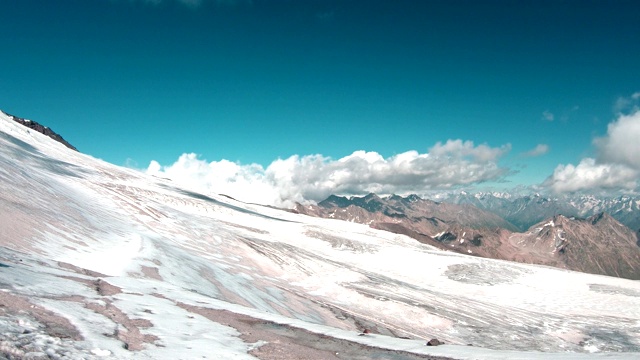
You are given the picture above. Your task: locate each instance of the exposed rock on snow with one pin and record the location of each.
(42, 129)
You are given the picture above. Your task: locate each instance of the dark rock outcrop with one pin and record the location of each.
(42, 129)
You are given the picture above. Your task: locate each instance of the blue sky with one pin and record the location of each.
(250, 82)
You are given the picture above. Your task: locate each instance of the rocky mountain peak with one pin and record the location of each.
(598, 244)
(371, 196)
(413, 198)
(335, 201)
(41, 129)
(395, 197)
(602, 217)
(371, 202)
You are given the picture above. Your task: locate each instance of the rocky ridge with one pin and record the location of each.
(599, 244)
(526, 210)
(41, 129)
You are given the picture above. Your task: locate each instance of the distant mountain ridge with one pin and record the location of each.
(395, 208)
(524, 211)
(598, 244)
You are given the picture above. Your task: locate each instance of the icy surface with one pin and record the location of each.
(123, 257)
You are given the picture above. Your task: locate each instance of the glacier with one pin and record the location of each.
(100, 261)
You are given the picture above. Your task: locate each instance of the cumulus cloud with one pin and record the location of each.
(590, 175)
(314, 177)
(548, 115)
(540, 149)
(616, 166)
(621, 145)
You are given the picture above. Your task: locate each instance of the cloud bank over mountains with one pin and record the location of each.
(314, 177)
(616, 165)
(446, 166)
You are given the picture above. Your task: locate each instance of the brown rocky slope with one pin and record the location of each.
(599, 244)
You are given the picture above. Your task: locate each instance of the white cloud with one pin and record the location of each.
(589, 175)
(540, 149)
(621, 145)
(131, 163)
(564, 115)
(626, 105)
(314, 177)
(459, 149)
(616, 167)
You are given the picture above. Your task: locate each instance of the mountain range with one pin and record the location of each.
(598, 244)
(99, 261)
(524, 211)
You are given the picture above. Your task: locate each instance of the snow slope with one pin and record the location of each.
(99, 261)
